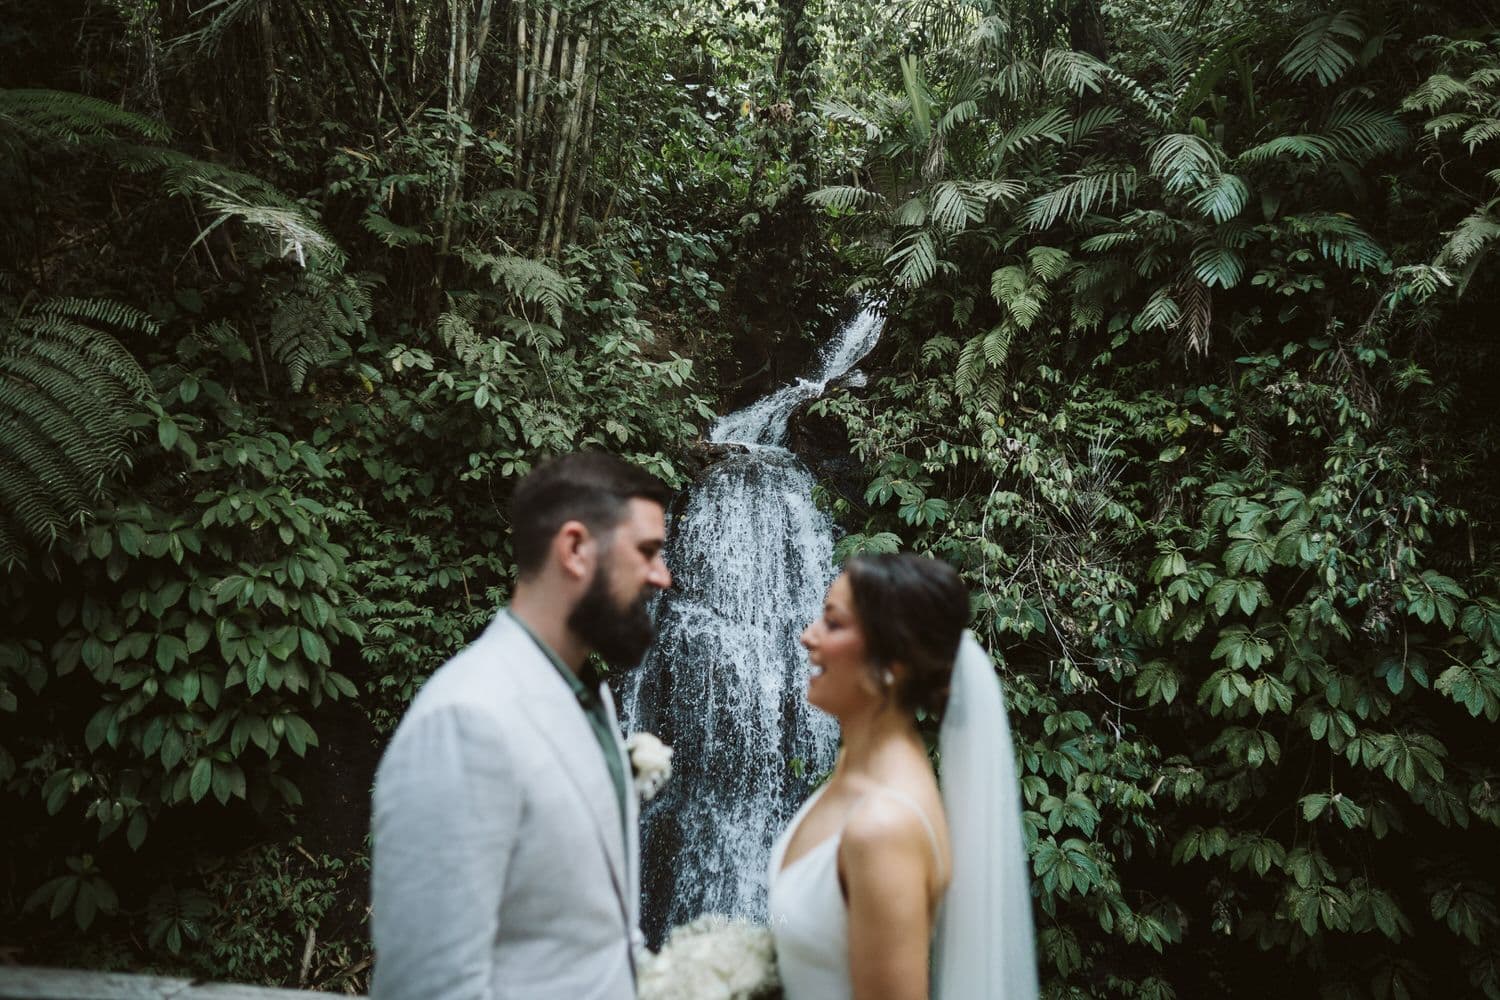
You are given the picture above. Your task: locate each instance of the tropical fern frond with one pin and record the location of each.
(312, 324)
(954, 207)
(55, 116)
(1320, 47)
(529, 282)
(1080, 196)
(1075, 72)
(1314, 148)
(1216, 264)
(1094, 120)
(539, 337)
(1360, 133)
(1197, 312)
(1469, 239)
(843, 197)
(297, 233)
(914, 259)
(391, 233)
(970, 367)
(1048, 263)
(1160, 312)
(1053, 126)
(936, 348)
(845, 113)
(1481, 132)
(1223, 199)
(955, 116)
(1435, 92)
(1105, 242)
(996, 345)
(68, 393)
(1184, 162)
(1022, 297)
(1340, 239)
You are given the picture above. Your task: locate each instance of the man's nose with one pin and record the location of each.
(661, 577)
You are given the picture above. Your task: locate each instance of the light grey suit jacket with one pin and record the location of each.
(499, 869)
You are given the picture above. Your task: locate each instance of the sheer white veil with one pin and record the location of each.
(984, 946)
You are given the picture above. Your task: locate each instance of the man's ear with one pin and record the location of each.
(575, 549)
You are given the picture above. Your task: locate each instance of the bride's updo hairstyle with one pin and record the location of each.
(913, 610)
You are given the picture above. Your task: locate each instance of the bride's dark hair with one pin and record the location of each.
(913, 610)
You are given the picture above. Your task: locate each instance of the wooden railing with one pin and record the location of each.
(20, 982)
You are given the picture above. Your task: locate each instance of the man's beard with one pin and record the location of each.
(621, 635)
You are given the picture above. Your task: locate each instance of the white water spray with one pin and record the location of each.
(726, 680)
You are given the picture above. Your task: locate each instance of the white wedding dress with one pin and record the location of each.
(983, 942)
(809, 919)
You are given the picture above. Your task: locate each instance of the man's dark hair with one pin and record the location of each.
(593, 487)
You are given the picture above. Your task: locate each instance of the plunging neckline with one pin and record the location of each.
(782, 864)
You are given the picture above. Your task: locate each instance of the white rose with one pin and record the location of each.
(651, 761)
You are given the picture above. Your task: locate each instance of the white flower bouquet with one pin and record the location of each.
(712, 958)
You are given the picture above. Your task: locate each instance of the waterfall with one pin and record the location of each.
(725, 682)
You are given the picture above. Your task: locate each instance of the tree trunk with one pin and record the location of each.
(268, 58)
(520, 129)
(588, 142)
(570, 133)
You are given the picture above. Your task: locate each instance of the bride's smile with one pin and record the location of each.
(840, 680)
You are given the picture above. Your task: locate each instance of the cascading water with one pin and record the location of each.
(725, 681)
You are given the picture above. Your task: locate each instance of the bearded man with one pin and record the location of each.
(505, 861)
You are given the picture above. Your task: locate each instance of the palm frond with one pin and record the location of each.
(1362, 132)
(1339, 238)
(1320, 47)
(1184, 162)
(914, 259)
(954, 206)
(1080, 196)
(1223, 199)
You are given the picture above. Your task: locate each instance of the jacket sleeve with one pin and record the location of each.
(446, 815)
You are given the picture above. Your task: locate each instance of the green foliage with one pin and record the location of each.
(1179, 417)
(70, 394)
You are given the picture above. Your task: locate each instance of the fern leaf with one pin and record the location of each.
(1314, 148)
(1340, 239)
(958, 114)
(391, 233)
(847, 114)
(1080, 196)
(1184, 162)
(953, 207)
(1223, 199)
(55, 116)
(1053, 126)
(1048, 263)
(1023, 298)
(914, 259)
(842, 197)
(1160, 311)
(1360, 133)
(1435, 92)
(1319, 49)
(1215, 264)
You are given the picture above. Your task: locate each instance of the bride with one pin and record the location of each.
(883, 886)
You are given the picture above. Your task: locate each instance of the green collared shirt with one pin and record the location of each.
(593, 710)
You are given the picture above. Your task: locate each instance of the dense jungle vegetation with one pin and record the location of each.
(1187, 367)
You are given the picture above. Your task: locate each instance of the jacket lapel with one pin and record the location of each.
(557, 717)
(632, 813)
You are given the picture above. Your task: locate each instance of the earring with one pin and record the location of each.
(887, 677)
